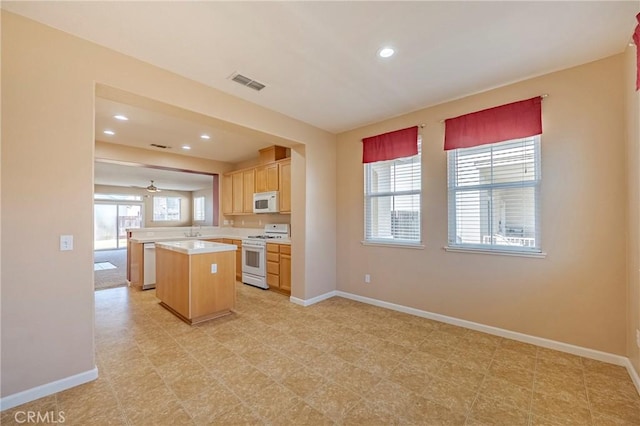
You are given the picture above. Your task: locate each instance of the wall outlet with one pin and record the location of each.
(367, 278)
(66, 242)
(226, 222)
(638, 338)
(214, 268)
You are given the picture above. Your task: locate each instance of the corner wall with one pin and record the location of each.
(632, 98)
(576, 294)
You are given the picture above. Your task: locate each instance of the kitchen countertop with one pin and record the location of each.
(159, 239)
(196, 246)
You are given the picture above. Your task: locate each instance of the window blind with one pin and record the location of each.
(393, 200)
(493, 196)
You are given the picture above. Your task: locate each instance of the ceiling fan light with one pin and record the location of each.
(152, 188)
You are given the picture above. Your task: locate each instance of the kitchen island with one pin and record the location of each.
(195, 280)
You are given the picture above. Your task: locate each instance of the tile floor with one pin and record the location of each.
(337, 362)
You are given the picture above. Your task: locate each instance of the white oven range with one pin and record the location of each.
(254, 270)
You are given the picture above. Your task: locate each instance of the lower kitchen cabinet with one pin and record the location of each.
(285, 268)
(238, 243)
(279, 267)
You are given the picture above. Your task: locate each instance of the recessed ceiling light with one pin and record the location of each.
(109, 132)
(121, 117)
(386, 52)
(186, 147)
(205, 136)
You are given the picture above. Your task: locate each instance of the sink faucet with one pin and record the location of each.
(192, 234)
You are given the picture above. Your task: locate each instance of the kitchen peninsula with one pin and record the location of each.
(195, 280)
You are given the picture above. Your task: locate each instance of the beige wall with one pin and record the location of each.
(577, 293)
(48, 86)
(632, 98)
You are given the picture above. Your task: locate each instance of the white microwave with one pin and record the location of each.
(266, 202)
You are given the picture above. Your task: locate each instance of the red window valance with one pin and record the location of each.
(511, 121)
(636, 39)
(388, 146)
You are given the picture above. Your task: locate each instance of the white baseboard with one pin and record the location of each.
(634, 374)
(308, 302)
(538, 341)
(47, 389)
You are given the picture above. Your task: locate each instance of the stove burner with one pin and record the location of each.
(262, 237)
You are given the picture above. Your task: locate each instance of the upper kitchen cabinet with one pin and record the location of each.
(237, 191)
(248, 179)
(273, 174)
(227, 194)
(284, 175)
(267, 178)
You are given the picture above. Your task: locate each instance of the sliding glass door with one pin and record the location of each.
(111, 221)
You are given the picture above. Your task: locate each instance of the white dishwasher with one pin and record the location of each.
(149, 266)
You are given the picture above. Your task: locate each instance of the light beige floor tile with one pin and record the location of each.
(237, 415)
(487, 411)
(333, 400)
(455, 396)
(512, 373)
(349, 352)
(356, 379)
(520, 347)
(415, 380)
(210, 403)
(337, 362)
(366, 414)
(476, 360)
(247, 381)
(303, 382)
(462, 375)
(272, 402)
(507, 392)
(573, 391)
(302, 414)
(170, 413)
(548, 406)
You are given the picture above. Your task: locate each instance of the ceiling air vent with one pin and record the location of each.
(246, 81)
(155, 145)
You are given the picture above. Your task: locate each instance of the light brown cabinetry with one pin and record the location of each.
(227, 194)
(135, 263)
(248, 180)
(186, 286)
(239, 186)
(237, 243)
(237, 192)
(284, 177)
(267, 178)
(285, 268)
(279, 267)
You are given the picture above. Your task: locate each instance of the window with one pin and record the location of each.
(494, 196)
(117, 197)
(198, 208)
(166, 208)
(392, 200)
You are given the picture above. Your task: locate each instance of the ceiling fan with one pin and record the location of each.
(153, 188)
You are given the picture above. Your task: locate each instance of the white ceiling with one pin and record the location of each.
(319, 63)
(175, 128)
(318, 59)
(140, 177)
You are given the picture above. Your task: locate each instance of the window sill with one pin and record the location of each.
(393, 245)
(541, 255)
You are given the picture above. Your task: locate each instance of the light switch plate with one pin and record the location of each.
(66, 242)
(214, 268)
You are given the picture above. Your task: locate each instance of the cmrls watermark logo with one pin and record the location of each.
(49, 417)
